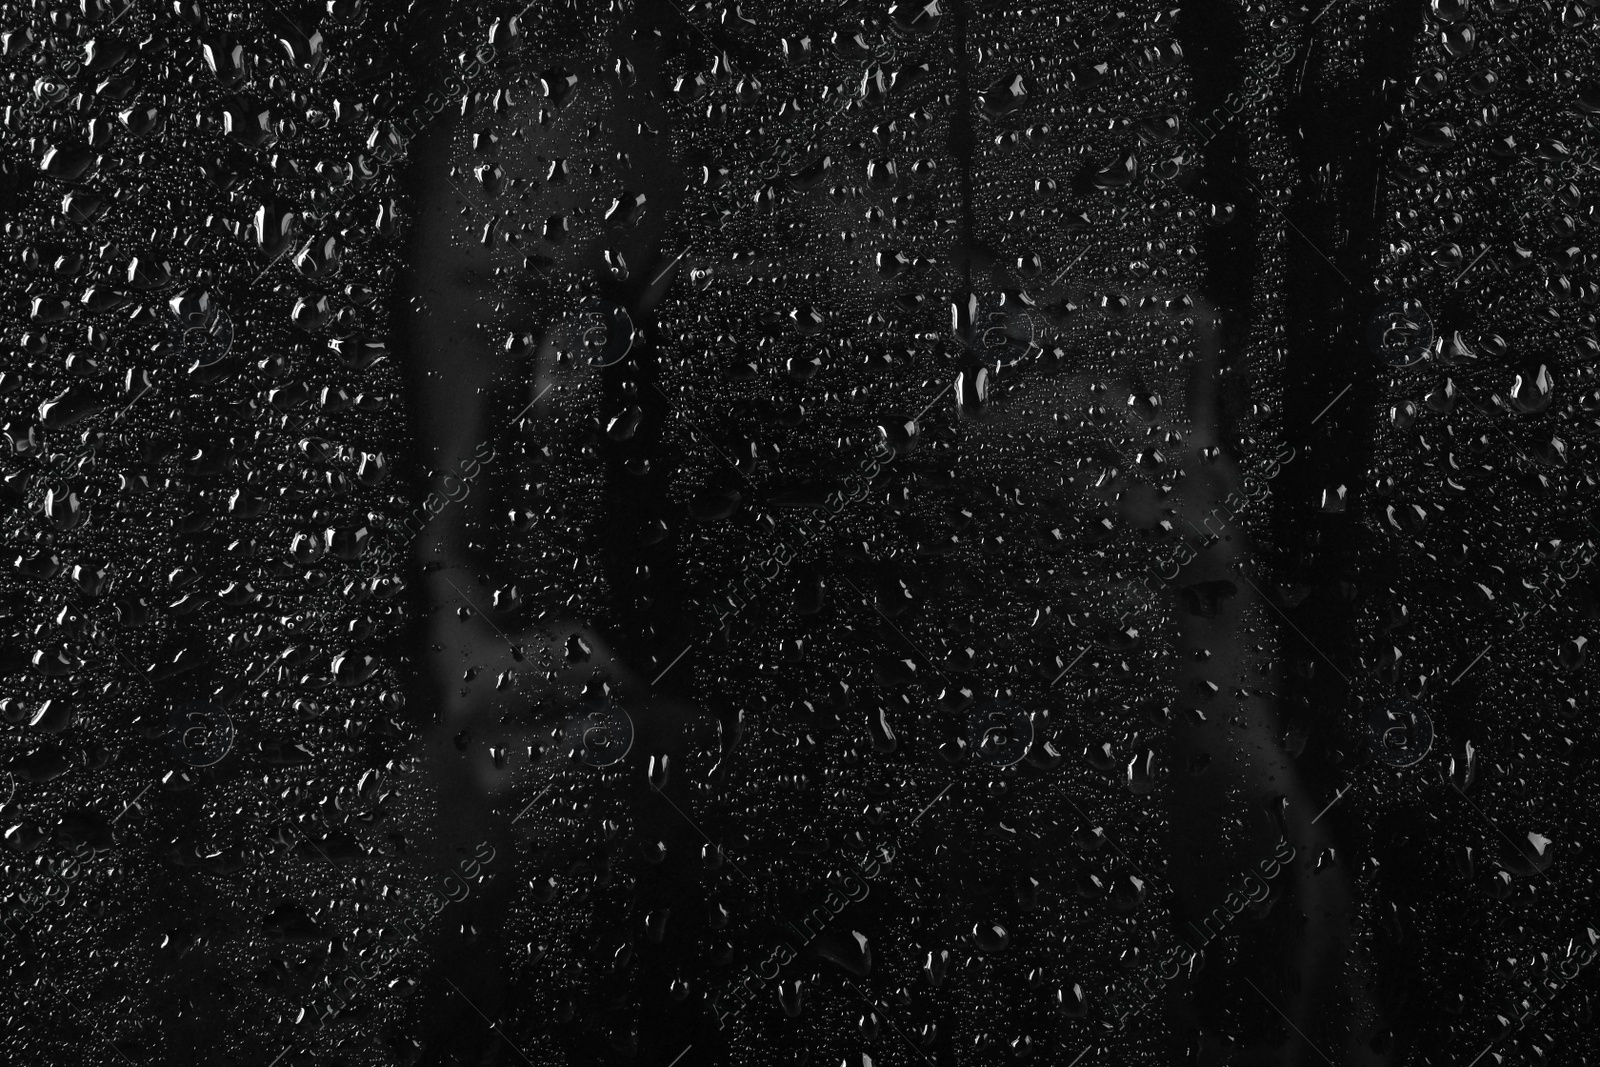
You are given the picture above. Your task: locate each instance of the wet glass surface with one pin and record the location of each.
(825, 534)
